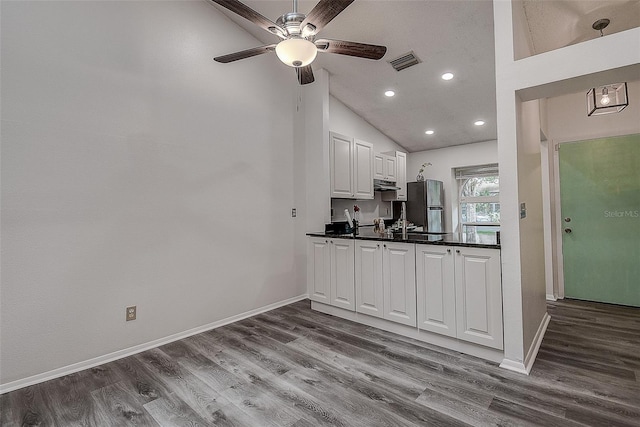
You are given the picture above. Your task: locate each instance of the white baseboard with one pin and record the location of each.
(455, 344)
(551, 297)
(69, 369)
(514, 365)
(525, 367)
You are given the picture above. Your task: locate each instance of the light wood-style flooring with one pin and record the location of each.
(295, 367)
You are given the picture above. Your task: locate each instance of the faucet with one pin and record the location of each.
(403, 219)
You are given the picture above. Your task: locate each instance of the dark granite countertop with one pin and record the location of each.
(450, 239)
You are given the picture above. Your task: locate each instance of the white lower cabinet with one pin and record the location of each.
(479, 296)
(369, 288)
(385, 280)
(460, 293)
(436, 290)
(330, 271)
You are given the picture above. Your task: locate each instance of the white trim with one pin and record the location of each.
(515, 366)
(90, 363)
(413, 332)
(525, 368)
(551, 297)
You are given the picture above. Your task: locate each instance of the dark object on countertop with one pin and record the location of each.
(339, 227)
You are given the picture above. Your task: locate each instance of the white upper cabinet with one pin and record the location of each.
(351, 167)
(385, 167)
(362, 170)
(341, 165)
(400, 177)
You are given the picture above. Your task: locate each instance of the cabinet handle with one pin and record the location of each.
(457, 251)
(385, 246)
(448, 251)
(378, 244)
(326, 241)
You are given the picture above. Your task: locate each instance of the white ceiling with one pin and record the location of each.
(448, 36)
(555, 24)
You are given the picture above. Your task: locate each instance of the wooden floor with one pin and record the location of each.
(295, 367)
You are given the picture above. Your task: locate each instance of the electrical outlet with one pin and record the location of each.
(294, 213)
(131, 313)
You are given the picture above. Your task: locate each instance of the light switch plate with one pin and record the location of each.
(131, 313)
(523, 210)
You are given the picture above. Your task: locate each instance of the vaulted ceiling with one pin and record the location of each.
(447, 36)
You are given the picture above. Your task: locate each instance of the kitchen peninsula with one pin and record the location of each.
(437, 288)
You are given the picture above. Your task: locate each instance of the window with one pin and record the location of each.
(479, 200)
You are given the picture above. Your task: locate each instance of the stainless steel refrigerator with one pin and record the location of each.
(425, 205)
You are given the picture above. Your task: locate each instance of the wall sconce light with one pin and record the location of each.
(607, 99)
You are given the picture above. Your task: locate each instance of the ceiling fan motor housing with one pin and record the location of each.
(291, 22)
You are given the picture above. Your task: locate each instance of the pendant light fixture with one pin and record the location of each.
(607, 99)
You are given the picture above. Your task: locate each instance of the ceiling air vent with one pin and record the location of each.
(405, 61)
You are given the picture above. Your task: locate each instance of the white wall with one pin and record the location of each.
(344, 121)
(443, 162)
(135, 170)
(557, 72)
(532, 260)
(568, 120)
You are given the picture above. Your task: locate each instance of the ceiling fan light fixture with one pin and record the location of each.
(296, 52)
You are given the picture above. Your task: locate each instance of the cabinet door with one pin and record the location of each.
(369, 287)
(342, 274)
(378, 166)
(362, 170)
(390, 168)
(341, 164)
(401, 179)
(436, 289)
(318, 269)
(479, 296)
(399, 272)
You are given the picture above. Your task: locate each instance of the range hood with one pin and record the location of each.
(380, 185)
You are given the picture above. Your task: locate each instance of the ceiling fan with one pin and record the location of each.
(299, 46)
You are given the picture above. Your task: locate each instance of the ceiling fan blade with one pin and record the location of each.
(247, 13)
(341, 47)
(245, 54)
(324, 12)
(305, 75)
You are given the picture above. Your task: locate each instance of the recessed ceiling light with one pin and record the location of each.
(389, 93)
(429, 132)
(479, 123)
(447, 76)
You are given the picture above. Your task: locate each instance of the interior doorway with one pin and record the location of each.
(600, 206)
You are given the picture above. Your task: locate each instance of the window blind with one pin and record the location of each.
(477, 171)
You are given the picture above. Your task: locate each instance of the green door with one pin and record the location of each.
(600, 198)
